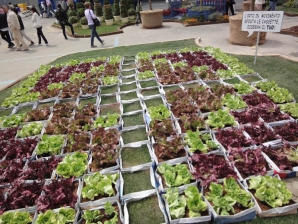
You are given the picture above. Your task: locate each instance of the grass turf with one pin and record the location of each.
(135, 156)
(137, 181)
(145, 211)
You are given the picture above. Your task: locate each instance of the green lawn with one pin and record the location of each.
(102, 29)
(282, 71)
(289, 10)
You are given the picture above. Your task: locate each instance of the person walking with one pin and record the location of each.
(138, 11)
(229, 5)
(23, 34)
(14, 26)
(44, 8)
(4, 30)
(63, 20)
(37, 24)
(259, 5)
(63, 5)
(90, 16)
(272, 5)
(49, 8)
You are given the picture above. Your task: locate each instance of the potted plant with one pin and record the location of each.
(131, 13)
(98, 10)
(108, 14)
(116, 11)
(123, 12)
(84, 23)
(151, 18)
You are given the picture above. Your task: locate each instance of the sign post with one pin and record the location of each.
(261, 21)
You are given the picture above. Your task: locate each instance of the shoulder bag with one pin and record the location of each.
(95, 21)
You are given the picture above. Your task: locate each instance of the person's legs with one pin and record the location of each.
(231, 8)
(48, 12)
(51, 10)
(92, 27)
(96, 35)
(43, 37)
(38, 34)
(71, 27)
(23, 34)
(5, 36)
(227, 8)
(138, 20)
(18, 37)
(63, 29)
(17, 41)
(273, 5)
(270, 6)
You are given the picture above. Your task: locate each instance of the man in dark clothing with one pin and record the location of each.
(229, 4)
(63, 20)
(4, 30)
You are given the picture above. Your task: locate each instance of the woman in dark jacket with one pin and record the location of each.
(63, 20)
(4, 29)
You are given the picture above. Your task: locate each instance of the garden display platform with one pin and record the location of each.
(84, 133)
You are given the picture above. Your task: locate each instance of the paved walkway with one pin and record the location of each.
(16, 65)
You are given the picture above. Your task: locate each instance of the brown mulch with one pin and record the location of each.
(293, 31)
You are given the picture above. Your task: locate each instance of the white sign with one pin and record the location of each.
(262, 21)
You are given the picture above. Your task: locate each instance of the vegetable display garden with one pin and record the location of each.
(208, 137)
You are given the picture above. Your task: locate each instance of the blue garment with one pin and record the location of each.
(94, 34)
(272, 5)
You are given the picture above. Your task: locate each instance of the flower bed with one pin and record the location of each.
(176, 103)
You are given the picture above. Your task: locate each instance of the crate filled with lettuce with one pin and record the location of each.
(22, 196)
(60, 215)
(108, 121)
(110, 212)
(162, 129)
(186, 205)
(96, 189)
(73, 165)
(30, 129)
(283, 158)
(174, 174)
(169, 150)
(59, 193)
(20, 217)
(200, 142)
(105, 150)
(272, 197)
(229, 201)
(50, 145)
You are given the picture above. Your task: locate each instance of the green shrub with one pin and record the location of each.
(72, 13)
(84, 21)
(81, 12)
(98, 9)
(123, 9)
(73, 19)
(80, 5)
(108, 14)
(131, 12)
(116, 8)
